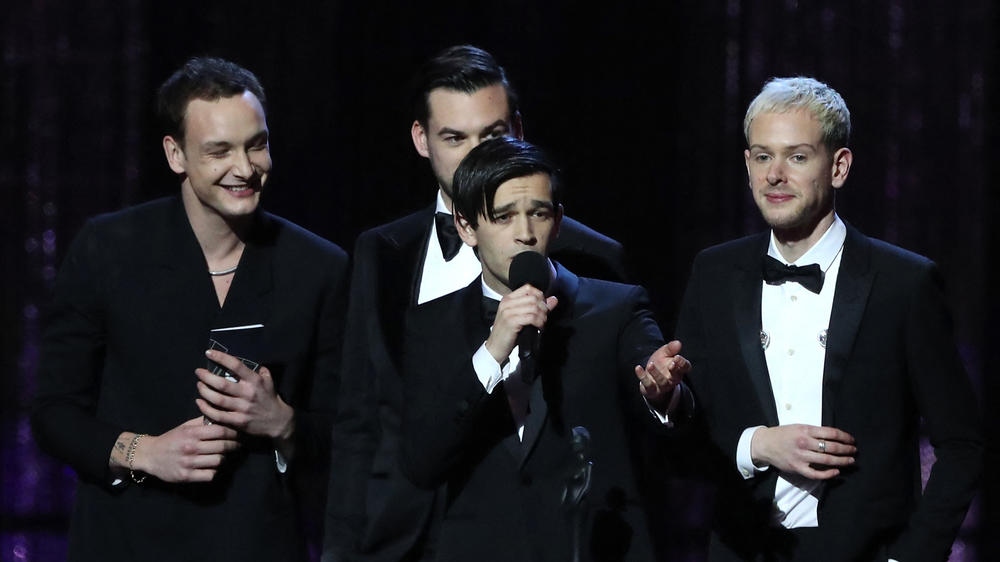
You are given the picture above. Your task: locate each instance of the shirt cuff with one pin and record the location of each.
(743, 460)
(489, 372)
(675, 399)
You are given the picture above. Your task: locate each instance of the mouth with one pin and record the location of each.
(240, 190)
(777, 197)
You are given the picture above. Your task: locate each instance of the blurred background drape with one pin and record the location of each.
(642, 106)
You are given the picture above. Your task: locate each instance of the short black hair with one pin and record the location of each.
(462, 68)
(204, 78)
(489, 165)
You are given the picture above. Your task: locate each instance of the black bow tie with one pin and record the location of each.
(490, 307)
(809, 276)
(447, 235)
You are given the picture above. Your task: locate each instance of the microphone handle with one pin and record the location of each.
(527, 351)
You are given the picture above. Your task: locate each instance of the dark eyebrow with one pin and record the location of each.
(494, 125)
(260, 137)
(449, 131)
(536, 203)
(505, 209)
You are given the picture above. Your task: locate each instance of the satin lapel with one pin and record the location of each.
(746, 290)
(409, 243)
(546, 394)
(854, 283)
(399, 254)
(474, 327)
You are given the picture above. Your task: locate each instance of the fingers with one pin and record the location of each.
(232, 364)
(200, 475)
(818, 474)
(661, 377)
(191, 452)
(649, 387)
(812, 451)
(672, 348)
(832, 434)
(646, 382)
(217, 390)
(834, 448)
(196, 428)
(231, 396)
(223, 417)
(667, 367)
(525, 306)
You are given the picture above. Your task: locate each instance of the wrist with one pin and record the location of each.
(136, 467)
(758, 454)
(496, 352)
(286, 429)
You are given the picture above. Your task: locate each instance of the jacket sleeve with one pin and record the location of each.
(63, 415)
(947, 404)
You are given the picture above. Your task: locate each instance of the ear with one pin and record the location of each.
(557, 221)
(517, 126)
(746, 160)
(175, 154)
(419, 136)
(842, 160)
(465, 231)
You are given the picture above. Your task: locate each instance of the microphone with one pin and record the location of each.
(528, 268)
(578, 482)
(580, 443)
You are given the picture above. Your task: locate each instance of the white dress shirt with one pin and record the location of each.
(440, 277)
(794, 321)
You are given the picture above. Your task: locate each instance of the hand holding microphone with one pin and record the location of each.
(524, 311)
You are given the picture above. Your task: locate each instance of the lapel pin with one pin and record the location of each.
(765, 339)
(822, 338)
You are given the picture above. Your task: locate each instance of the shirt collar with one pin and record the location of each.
(490, 293)
(440, 207)
(823, 252)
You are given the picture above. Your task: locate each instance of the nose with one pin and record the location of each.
(242, 166)
(524, 231)
(776, 172)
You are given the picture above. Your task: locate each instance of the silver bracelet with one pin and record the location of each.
(131, 458)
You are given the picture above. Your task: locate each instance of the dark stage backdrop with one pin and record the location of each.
(642, 107)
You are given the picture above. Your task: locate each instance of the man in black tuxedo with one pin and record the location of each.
(498, 433)
(174, 462)
(817, 353)
(461, 98)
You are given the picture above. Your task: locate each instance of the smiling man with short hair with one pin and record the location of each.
(175, 462)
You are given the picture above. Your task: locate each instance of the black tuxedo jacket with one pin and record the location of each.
(373, 512)
(890, 361)
(504, 495)
(129, 324)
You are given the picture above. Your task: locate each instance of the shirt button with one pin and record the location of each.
(788, 406)
(791, 352)
(794, 298)
(746, 473)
